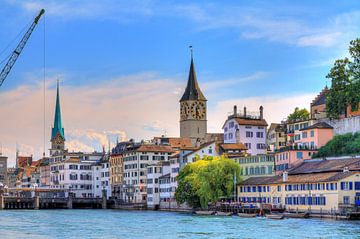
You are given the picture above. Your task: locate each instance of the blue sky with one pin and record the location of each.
(246, 52)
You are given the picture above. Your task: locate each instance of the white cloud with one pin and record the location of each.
(138, 106)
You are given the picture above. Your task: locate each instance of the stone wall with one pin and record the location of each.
(343, 126)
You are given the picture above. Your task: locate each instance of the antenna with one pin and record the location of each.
(191, 51)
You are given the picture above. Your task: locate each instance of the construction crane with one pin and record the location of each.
(10, 63)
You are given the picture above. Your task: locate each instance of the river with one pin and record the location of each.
(149, 224)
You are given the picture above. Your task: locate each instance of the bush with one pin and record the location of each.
(340, 145)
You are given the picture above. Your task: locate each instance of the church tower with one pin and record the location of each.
(57, 132)
(193, 123)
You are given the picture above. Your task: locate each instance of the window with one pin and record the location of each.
(260, 146)
(346, 185)
(346, 200)
(312, 133)
(304, 134)
(248, 145)
(231, 125)
(299, 155)
(357, 185)
(249, 134)
(260, 134)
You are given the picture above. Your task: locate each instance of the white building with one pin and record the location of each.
(101, 178)
(73, 176)
(207, 149)
(155, 171)
(246, 128)
(135, 162)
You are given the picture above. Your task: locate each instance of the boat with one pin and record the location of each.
(223, 213)
(247, 215)
(204, 213)
(297, 215)
(275, 216)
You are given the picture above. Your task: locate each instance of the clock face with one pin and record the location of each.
(198, 110)
(184, 111)
(58, 139)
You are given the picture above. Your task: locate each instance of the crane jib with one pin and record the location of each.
(10, 63)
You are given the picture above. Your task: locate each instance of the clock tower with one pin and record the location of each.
(193, 123)
(57, 132)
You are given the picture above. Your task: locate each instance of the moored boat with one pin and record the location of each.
(247, 215)
(204, 213)
(297, 215)
(275, 216)
(223, 213)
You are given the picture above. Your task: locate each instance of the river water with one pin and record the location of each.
(149, 224)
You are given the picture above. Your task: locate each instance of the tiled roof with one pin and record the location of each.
(334, 165)
(308, 178)
(254, 122)
(176, 142)
(155, 148)
(73, 160)
(237, 146)
(320, 125)
(23, 161)
(175, 155)
(321, 98)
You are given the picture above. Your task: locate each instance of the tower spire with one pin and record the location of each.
(192, 91)
(57, 129)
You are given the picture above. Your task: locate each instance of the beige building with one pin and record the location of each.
(276, 137)
(326, 186)
(116, 174)
(256, 166)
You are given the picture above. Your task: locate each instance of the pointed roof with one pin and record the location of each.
(192, 91)
(57, 120)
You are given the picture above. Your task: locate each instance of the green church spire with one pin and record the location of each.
(57, 129)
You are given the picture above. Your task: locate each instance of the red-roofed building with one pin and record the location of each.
(247, 128)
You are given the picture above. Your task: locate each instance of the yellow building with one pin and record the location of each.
(116, 174)
(256, 165)
(317, 186)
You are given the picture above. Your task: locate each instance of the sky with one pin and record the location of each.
(123, 65)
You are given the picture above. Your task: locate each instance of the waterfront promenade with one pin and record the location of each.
(150, 224)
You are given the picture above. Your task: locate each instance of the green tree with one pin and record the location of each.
(299, 114)
(345, 83)
(345, 144)
(206, 181)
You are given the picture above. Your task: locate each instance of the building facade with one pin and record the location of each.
(256, 166)
(316, 135)
(246, 128)
(3, 170)
(135, 162)
(276, 137)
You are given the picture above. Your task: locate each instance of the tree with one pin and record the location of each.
(345, 83)
(206, 181)
(345, 144)
(299, 114)
(337, 99)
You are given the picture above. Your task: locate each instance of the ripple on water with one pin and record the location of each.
(148, 224)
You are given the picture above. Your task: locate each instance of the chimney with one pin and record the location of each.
(346, 170)
(235, 110)
(197, 143)
(244, 111)
(285, 176)
(237, 136)
(261, 112)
